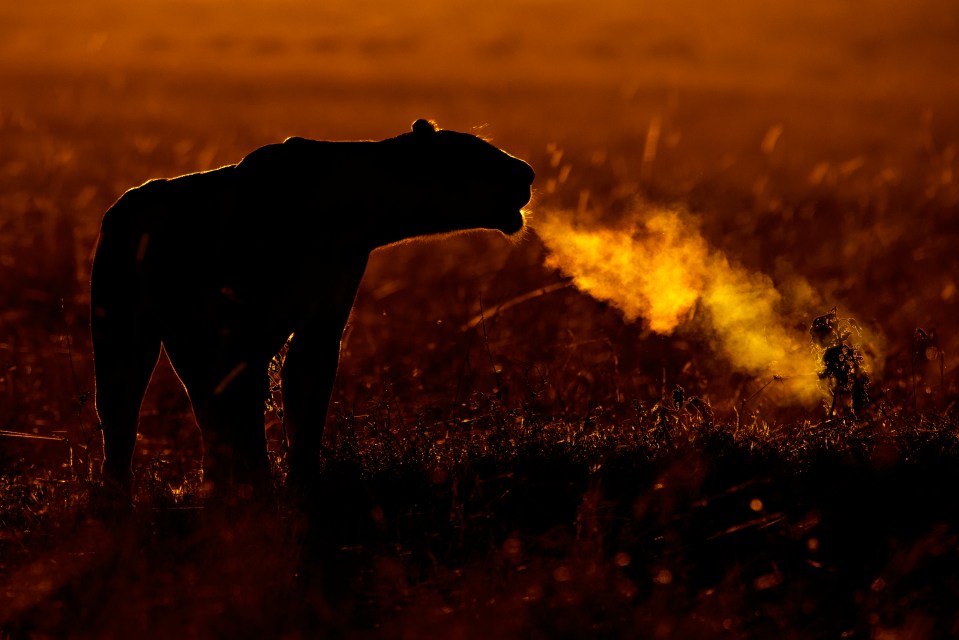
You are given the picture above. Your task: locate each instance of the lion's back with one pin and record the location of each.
(168, 220)
(130, 208)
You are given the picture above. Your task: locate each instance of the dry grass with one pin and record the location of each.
(527, 475)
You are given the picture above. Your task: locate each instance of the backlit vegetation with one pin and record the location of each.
(641, 421)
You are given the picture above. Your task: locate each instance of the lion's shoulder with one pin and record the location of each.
(291, 150)
(288, 162)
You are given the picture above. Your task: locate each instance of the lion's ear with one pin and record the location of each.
(422, 126)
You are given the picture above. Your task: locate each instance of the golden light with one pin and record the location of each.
(652, 269)
(659, 268)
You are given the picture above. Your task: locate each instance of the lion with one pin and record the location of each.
(224, 267)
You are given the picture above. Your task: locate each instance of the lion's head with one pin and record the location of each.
(463, 181)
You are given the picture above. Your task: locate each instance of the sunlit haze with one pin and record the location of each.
(710, 391)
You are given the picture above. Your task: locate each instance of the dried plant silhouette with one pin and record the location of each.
(620, 427)
(222, 268)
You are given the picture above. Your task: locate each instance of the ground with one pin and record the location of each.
(506, 451)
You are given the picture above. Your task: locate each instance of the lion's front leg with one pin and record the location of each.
(307, 378)
(309, 369)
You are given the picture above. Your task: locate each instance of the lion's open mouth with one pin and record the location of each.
(513, 223)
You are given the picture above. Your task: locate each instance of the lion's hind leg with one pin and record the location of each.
(235, 455)
(126, 347)
(226, 379)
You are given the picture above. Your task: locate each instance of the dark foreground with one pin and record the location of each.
(666, 527)
(814, 143)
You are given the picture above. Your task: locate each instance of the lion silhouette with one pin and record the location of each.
(223, 267)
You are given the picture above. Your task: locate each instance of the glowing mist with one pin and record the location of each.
(643, 270)
(658, 267)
